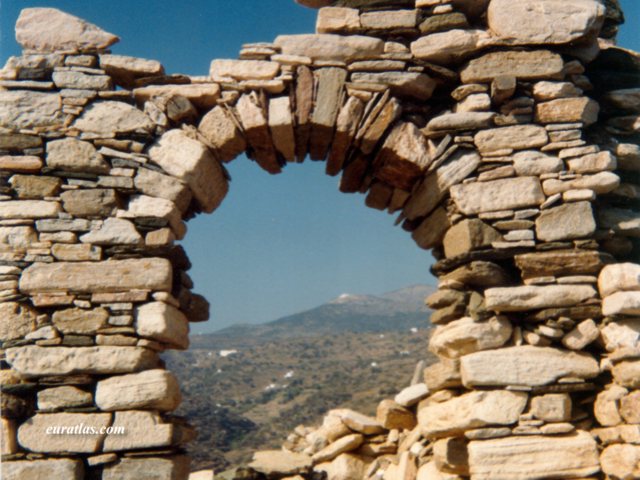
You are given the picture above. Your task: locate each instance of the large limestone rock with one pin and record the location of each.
(627, 373)
(464, 336)
(525, 366)
(619, 277)
(66, 468)
(621, 461)
(163, 322)
(503, 194)
(467, 235)
(526, 457)
(66, 396)
(155, 184)
(114, 231)
(229, 70)
(450, 46)
(91, 277)
(50, 30)
(63, 432)
(516, 137)
(545, 21)
(277, 462)
(529, 297)
(73, 155)
(33, 361)
(222, 133)
(152, 389)
(109, 117)
(188, 159)
(148, 468)
(568, 221)
(524, 65)
(141, 429)
(331, 47)
(80, 321)
(471, 410)
(622, 303)
(24, 109)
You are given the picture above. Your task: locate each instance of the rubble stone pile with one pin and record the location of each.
(503, 133)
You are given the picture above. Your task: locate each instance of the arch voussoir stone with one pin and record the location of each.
(504, 137)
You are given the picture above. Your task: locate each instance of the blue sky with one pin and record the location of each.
(278, 244)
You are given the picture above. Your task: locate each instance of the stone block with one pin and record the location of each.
(164, 323)
(151, 389)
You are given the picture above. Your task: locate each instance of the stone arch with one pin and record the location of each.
(479, 134)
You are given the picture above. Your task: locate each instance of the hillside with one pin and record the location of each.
(247, 387)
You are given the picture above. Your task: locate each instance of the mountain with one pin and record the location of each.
(399, 310)
(247, 387)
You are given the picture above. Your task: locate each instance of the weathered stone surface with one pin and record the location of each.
(568, 221)
(593, 163)
(80, 321)
(524, 65)
(281, 126)
(606, 408)
(523, 457)
(16, 209)
(158, 185)
(548, 22)
(8, 442)
(337, 20)
(436, 185)
(255, 124)
(619, 277)
(151, 468)
(627, 373)
(623, 333)
(403, 156)
(516, 137)
(72, 155)
(412, 394)
(471, 410)
(464, 336)
(17, 238)
(525, 365)
(621, 461)
(81, 80)
(43, 469)
(404, 84)
(191, 161)
(329, 87)
(89, 277)
(31, 186)
(461, 121)
(109, 117)
(553, 407)
(467, 235)
(345, 444)
(358, 422)
(151, 389)
(544, 90)
(225, 70)
(331, 47)
(51, 30)
(146, 207)
(164, 323)
(450, 46)
(347, 466)
(600, 183)
(32, 361)
(277, 462)
(63, 397)
(443, 374)
(36, 434)
(95, 202)
(531, 163)
(430, 471)
(219, 129)
(560, 263)
(450, 455)
(201, 95)
(389, 20)
(16, 320)
(124, 69)
(142, 429)
(24, 109)
(529, 297)
(393, 415)
(432, 230)
(630, 407)
(582, 335)
(568, 110)
(114, 231)
(496, 195)
(622, 221)
(622, 303)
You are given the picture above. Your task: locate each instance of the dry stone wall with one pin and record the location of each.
(503, 134)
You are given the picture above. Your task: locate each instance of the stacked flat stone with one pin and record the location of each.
(505, 137)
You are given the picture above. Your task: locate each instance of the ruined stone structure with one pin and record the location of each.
(505, 135)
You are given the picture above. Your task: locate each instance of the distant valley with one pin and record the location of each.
(247, 386)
